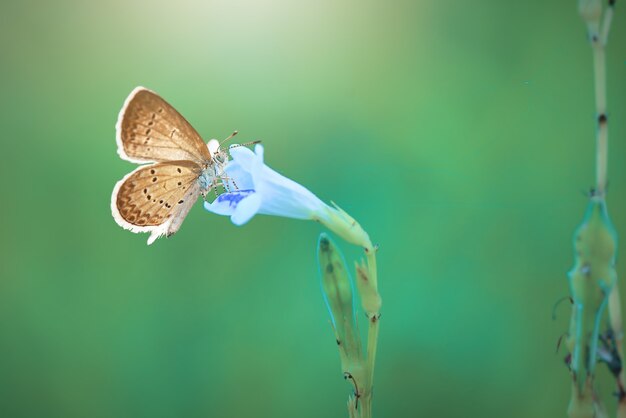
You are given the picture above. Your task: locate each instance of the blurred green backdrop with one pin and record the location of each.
(460, 135)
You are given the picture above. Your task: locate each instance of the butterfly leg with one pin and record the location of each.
(227, 179)
(215, 188)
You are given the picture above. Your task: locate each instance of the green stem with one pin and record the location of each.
(374, 320)
(599, 41)
(338, 221)
(366, 406)
(615, 317)
(372, 343)
(602, 136)
(585, 402)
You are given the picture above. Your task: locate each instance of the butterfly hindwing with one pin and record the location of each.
(149, 129)
(156, 198)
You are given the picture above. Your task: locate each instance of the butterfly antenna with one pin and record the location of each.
(228, 139)
(245, 144)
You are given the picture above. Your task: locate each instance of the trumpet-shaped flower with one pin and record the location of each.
(252, 187)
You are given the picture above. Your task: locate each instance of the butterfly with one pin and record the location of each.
(156, 197)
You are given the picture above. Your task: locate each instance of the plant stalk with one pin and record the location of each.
(599, 39)
(585, 403)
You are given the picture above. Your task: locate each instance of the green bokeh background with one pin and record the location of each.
(460, 135)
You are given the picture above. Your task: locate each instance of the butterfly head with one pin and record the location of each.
(219, 156)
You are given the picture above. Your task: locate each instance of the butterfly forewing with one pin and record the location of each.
(157, 197)
(149, 129)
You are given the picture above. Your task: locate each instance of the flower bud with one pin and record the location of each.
(337, 290)
(342, 224)
(591, 282)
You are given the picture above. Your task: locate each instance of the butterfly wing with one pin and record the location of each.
(156, 198)
(149, 129)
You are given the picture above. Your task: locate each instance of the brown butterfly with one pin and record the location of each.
(156, 197)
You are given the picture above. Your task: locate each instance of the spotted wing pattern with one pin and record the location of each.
(156, 198)
(149, 129)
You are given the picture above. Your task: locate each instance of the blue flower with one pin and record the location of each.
(252, 187)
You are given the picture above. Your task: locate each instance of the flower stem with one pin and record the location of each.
(602, 135)
(595, 244)
(372, 333)
(338, 221)
(372, 344)
(615, 318)
(599, 38)
(598, 32)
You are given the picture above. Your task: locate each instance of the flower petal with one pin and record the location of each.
(243, 156)
(227, 203)
(284, 197)
(237, 178)
(246, 209)
(262, 190)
